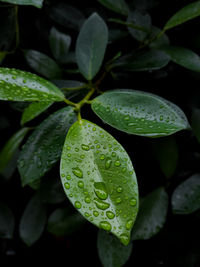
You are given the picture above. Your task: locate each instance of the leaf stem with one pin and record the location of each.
(129, 24)
(70, 103)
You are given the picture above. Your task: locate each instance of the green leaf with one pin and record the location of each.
(36, 3)
(17, 85)
(152, 215)
(139, 113)
(43, 148)
(188, 12)
(118, 6)
(62, 222)
(185, 198)
(111, 252)
(144, 4)
(33, 221)
(33, 110)
(91, 45)
(11, 147)
(99, 179)
(195, 123)
(163, 39)
(7, 222)
(141, 20)
(166, 153)
(42, 64)
(146, 61)
(183, 57)
(59, 44)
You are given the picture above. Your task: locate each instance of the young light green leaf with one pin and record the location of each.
(43, 148)
(43, 64)
(11, 147)
(99, 179)
(59, 44)
(7, 222)
(36, 3)
(17, 85)
(195, 123)
(63, 222)
(33, 221)
(118, 6)
(111, 252)
(150, 60)
(152, 215)
(166, 153)
(188, 12)
(91, 45)
(141, 20)
(33, 110)
(183, 57)
(139, 113)
(185, 198)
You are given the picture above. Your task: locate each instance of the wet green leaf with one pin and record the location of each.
(99, 179)
(111, 252)
(91, 45)
(7, 222)
(17, 85)
(188, 12)
(33, 110)
(11, 147)
(43, 64)
(183, 57)
(118, 6)
(33, 221)
(59, 44)
(36, 3)
(185, 198)
(152, 215)
(63, 222)
(43, 148)
(139, 113)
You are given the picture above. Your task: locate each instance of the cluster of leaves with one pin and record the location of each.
(96, 172)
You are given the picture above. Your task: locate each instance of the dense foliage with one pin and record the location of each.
(100, 114)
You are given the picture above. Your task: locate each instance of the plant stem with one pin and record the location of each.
(70, 103)
(129, 24)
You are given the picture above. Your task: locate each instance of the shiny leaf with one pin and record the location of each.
(99, 179)
(36, 3)
(118, 6)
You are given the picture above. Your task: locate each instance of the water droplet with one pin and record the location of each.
(125, 239)
(87, 200)
(127, 118)
(94, 129)
(117, 163)
(131, 124)
(63, 175)
(105, 225)
(76, 149)
(96, 214)
(108, 163)
(133, 202)
(129, 225)
(85, 147)
(119, 189)
(80, 184)
(67, 185)
(68, 177)
(100, 190)
(118, 200)
(102, 157)
(86, 214)
(77, 205)
(77, 172)
(69, 155)
(101, 204)
(110, 214)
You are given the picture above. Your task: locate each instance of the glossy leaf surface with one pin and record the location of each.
(99, 179)
(152, 215)
(36, 3)
(111, 252)
(118, 6)
(7, 222)
(17, 85)
(43, 148)
(91, 45)
(139, 113)
(185, 198)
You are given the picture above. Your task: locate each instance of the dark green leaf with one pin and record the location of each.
(33, 221)
(36, 3)
(42, 64)
(163, 40)
(116, 34)
(188, 12)
(152, 215)
(144, 4)
(185, 198)
(33, 110)
(141, 20)
(91, 45)
(66, 85)
(150, 60)
(17, 85)
(59, 44)
(62, 222)
(43, 148)
(111, 252)
(7, 222)
(195, 123)
(99, 179)
(10, 148)
(184, 57)
(139, 113)
(166, 153)
(118, 6)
